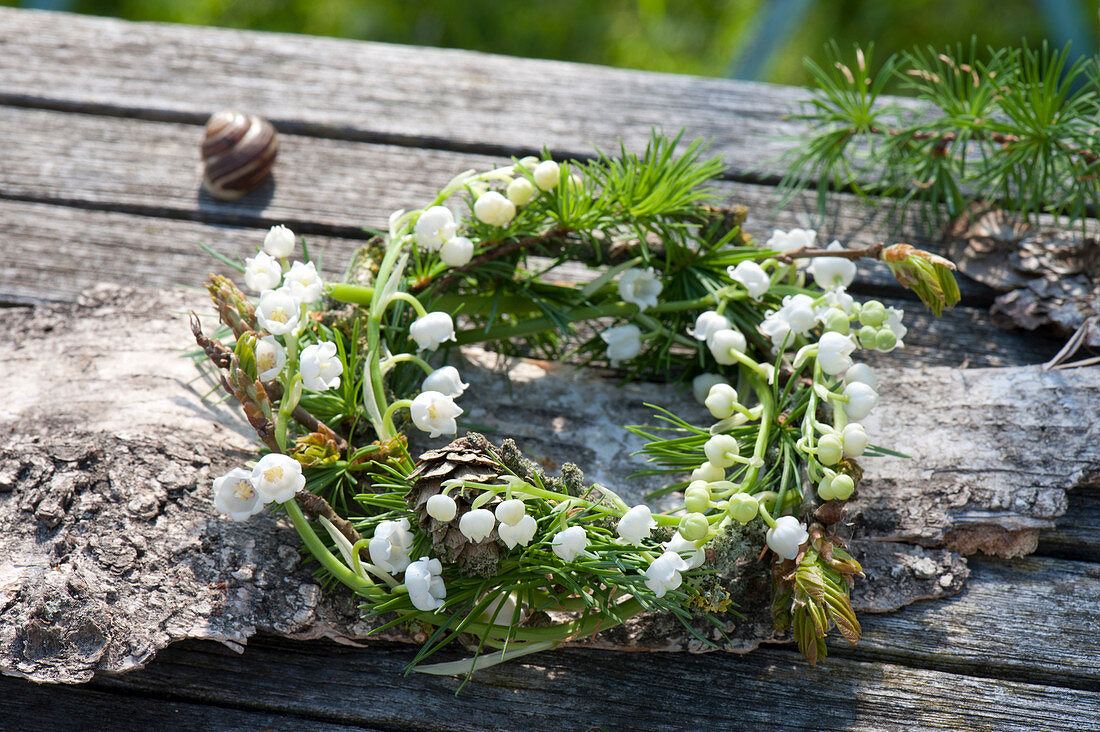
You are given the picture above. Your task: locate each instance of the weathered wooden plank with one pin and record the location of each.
(31, 707)
(584, 689)
(325, 186)
(1074, 535)
(378, 92)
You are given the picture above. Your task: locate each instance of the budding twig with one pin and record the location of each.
(870, 252)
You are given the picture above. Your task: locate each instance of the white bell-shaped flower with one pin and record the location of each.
(640, 287)
(663, 573)
(519, 533)
(707, 323)
(708, 472)
(789, 241)
(435, 413)
(270, 358)
(446, 380)
(520, 191)
(787, 536)
(546, 175)
(861, 400)
(303, 282)
(830, 272)
(723, 344)
(693, 555)
(721, 400)
(861, 372)
(834, 353)
(277, 312)
(390, 546)
(721, 450)
(799, 312)
(277, 477)
(320, 367)
(434, 226)
(636, 524)
(262, 272)
(494, 209)
(624, 342)
(776, 327)
(701, 385)
(235, 495)
(425, 585)
(510, 512)
(477, 524)
(570, 543)
(839, 298)
(893, 322)
(441, 507)
(430, 330)
(854, 438)
(752, 277)
(457, 251)
(279, 241)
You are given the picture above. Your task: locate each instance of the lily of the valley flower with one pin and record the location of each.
(303, 281)
(752, 277)
(510, 512)
(446, 380)
(721, 400)
(721, 450)
(640, 287)
(636, 524)
(442, 507)
(707, 323)
(830, 272)
(477, 524)
(277, 312)
(279, 241)
(701, 385)
(425, 585)
(695, 555)
(320, 367)
(861, 400)
(663, 574)
(708, 472)
(277, 477)
(435, 226)
(431, 330)
(787, 536)
(519, 533)
(235, 495)
(262, 272)
(834, 353)
(861, 372)
(570, 543)
(546, 175)
(390, 546)
(457, 251)
(624, 342)
(270, 358)
(494, 209)
(723, 344)
(792, 240)
(435, 413)
(854, 438)
(520, 191)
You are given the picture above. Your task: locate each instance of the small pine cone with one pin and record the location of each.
(467, 458)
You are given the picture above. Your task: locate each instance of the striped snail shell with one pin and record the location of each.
(238, 151)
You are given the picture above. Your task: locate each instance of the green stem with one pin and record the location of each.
(421, 311)
(354, 294)
(389, 363)
(321, 553)
(767, 416)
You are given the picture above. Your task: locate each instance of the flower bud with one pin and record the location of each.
(446, 380)
(723, 344)
(830, 449)
(861, 400)
(707, 323)
(721, 400)
(701, 384)
(494, 209)
(511, 511)
(476, 525)
(697, 497)
(843, 487)
(442, 508)
(867, 336)
(743, 507)
(861, 372)
(708, 473)
(836, 320)
(279, 241)
(854, 438)
(457, 251)
(886, 340)
(721, 450)
(520, 191)
(694, 527)
(546, 175)
(872, 313)
(825, 488)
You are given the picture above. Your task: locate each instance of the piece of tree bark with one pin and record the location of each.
(113, 550)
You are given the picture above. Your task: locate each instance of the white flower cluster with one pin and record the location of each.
(242, 493)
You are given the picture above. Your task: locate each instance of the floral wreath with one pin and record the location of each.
(473, 541)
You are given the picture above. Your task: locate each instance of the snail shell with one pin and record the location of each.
(239, 151)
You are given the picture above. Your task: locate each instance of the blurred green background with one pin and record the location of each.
(746, 39)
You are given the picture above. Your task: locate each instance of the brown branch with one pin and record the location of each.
(870, 252)
(496, 252)
(218, 353)
(313, 505)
